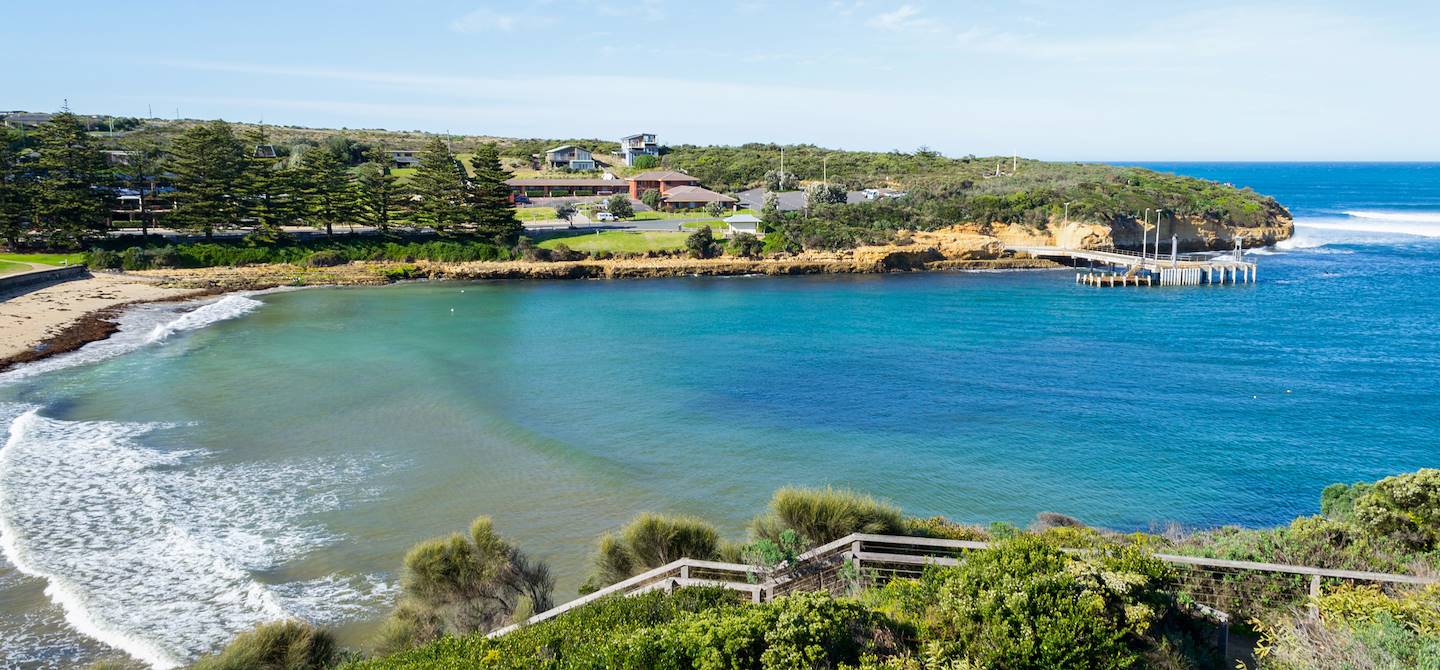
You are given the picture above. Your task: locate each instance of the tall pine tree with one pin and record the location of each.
(270, 199)
(326, 185)
(68, 203)
(439, 182)
(380, 198)
(209, 164)
(145, 166)
(494, 214)
(14, 190)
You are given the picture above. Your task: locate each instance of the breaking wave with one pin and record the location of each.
(141, 326)
(155, 552)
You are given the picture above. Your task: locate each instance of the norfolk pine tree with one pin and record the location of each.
(209, 163)
(494, 214)
(439, 182)
(326, 183)
(66, 203)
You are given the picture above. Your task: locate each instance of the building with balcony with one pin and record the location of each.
(641, 144)
(569, 158)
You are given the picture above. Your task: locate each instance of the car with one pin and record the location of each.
(604, 216)
(522, 200)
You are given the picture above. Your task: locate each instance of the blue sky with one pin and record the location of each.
(1050, 79)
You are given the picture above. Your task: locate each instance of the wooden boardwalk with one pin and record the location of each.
(1119, 267)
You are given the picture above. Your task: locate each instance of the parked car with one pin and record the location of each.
(522, 200)
(604, 216)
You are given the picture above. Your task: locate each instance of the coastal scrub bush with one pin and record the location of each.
(1024, 603)
(943, 528)
(701, 243)
(463, 584)
(325, 258)
(112, 254)
(824, 515)
(1337, 501)
(102, 259)
(1404, 507)
(284, 645)
(1417, 608)
(808, 630)
(746, 245)
(581, 638)
(1380, 643)
(650, 541)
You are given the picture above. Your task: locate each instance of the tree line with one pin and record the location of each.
(57, 188)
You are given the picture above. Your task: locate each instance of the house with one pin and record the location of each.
(555, 188)
(27, 119)
(115, 158)
(405, 158)
(743, 223)
(661, 181)
(265, 151)
(690, 197)
(569, 158)
(641, 144)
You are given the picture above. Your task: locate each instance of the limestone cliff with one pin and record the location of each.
(1195, 233)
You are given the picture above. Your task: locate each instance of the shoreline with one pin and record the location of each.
(54, 335)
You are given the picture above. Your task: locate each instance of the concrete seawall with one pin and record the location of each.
(25, 281)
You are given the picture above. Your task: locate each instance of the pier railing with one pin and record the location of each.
(1219, 588)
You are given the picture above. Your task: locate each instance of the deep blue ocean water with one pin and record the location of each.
(277, 453)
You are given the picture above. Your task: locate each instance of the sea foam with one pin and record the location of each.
(155, 552)
(141, 326)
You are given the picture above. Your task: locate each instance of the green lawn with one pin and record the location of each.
(699, 213)
(620, 241)
(535, 213)
(9, 268)
(46, 259)
(715, 224)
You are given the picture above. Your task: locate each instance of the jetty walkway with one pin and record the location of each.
(1121, 267)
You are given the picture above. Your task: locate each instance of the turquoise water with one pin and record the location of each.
(276, 454)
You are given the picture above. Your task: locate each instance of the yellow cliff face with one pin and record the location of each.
(1194, 233)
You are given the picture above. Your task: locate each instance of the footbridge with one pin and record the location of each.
(1108, 266)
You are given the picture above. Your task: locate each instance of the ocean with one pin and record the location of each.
(274, 454)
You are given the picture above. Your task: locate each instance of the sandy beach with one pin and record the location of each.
(28, 318)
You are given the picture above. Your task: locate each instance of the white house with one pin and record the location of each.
(742, 223)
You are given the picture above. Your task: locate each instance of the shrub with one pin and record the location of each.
(1419, 608)
(463, 584)
(581, 638)
(1405, 507)
(645, 162)
(133, 258)
(747, 245)
(1026, 604)
(324, 258)
(1382, 643)
(940, 527)
(824, 515)
(809, 630)
(102, 259)
(651, 198)
(650, 541)
(285, 645)
(701, 243)
(1337, 501)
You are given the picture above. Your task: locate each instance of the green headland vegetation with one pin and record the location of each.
(65, 187)
(1030, 600)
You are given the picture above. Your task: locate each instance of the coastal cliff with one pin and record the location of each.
(1194, 233)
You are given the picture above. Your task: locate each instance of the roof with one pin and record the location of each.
(566, 146)
(694, 194)
(741, 218)
(664, 175)
(615, 183)
(641, 135)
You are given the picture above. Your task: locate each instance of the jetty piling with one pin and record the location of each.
(1145, 269)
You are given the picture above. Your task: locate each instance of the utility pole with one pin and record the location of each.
(781, 182)
(1015, 163)
(825, 169)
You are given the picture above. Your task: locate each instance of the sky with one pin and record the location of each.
(1051, 79)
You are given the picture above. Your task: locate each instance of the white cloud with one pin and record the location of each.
(903, 19)
(484, 20)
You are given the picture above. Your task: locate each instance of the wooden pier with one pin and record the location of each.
(1118, 267)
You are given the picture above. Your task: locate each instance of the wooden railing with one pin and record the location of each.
(1221, 588)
